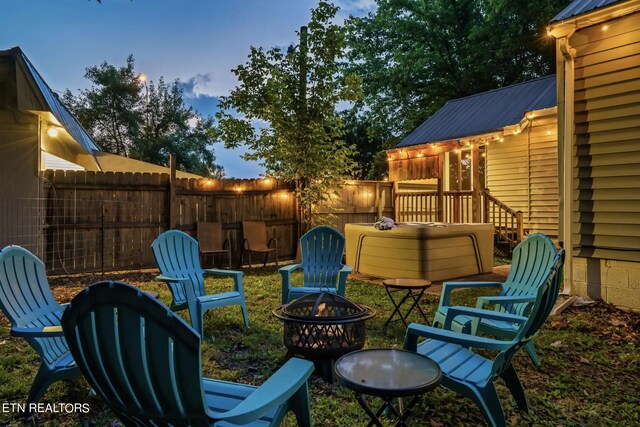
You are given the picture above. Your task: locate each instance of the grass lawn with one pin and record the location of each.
(590, 374)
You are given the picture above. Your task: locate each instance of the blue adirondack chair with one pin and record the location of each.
(321, 248)
(144, 361)
(177, 257)
(532, 259)
(26, 299)
(472, 375)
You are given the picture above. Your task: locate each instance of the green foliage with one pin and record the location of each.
(360, 132)
(111, 110)
(293, 96)
(415, 55)
(125, 116)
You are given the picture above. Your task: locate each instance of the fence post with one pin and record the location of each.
(172, 193)
(102, 239)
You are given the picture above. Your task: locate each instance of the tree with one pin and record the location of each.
(293, 96)
(360, 132)
(148, 122)
(414, 55)
(111, 110)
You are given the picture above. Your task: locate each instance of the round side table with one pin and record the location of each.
(388, 374)
(413, 288)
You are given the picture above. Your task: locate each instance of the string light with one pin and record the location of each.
(605, 27)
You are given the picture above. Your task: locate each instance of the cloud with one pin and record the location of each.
(357, 7)
(213, 84)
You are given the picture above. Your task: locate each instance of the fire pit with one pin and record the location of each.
(322, 327)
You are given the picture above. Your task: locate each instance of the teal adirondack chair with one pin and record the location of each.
(532, 259)
(472, 375)
(144, 361)
(178, 259)
(321, 248)
(26, 299)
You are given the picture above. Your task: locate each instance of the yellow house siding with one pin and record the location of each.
(606, 178)
(522, 172)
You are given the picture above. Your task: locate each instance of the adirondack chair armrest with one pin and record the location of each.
(498, 300)
(47, 331)
(478, 313)
(163, 278)
(447, 287)
(286, 271)
(236, 275)
(416, 331)
(272, 393)
(342, 278)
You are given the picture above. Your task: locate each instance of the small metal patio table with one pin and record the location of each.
(389, 374)
(414, 289)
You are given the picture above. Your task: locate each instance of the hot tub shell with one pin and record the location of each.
(431, 251)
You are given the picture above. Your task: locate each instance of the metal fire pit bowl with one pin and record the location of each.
(323, 325)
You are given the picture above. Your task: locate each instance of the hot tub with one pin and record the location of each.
(432, 251)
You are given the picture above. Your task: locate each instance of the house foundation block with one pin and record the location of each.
(615, 282)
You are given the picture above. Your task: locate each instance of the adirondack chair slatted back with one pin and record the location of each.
(143, 359)
(26, 299)
(546, 297)
(322, 249)
(532, 260)
(176, 254)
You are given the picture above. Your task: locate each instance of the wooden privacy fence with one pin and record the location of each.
(98, 221)
(94, 221)
(358, 201)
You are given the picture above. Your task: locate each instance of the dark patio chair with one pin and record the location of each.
(211, 241)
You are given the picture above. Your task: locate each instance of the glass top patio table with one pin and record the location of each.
(387, 372)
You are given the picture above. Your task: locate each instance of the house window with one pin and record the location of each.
(458, 173)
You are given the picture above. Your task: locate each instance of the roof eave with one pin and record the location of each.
(567, 27)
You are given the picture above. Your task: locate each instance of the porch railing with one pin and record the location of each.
(457, 207)
(508, 223)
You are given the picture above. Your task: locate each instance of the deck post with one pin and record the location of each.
(475, 180)
(396, 202)
(440, 189)
(520, 225)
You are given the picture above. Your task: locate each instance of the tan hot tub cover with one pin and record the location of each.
(432, 251)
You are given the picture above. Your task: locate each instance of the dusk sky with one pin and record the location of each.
(198, 42)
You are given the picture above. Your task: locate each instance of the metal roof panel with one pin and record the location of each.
(485, 112)
(579, 7)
